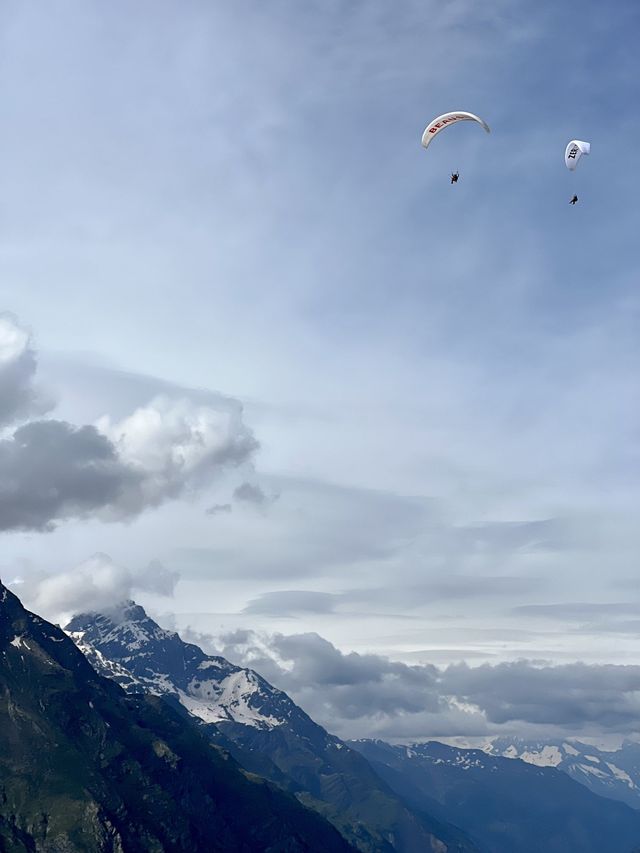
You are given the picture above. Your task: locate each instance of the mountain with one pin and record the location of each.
(129, 647)
(265, 731)
(85, 768)
(614, 774)
(505, 805)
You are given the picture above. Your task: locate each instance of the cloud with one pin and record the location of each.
(375, 320)
(588, 618)
(51, 470)
(539, 535)
(454, 587)
(216, 509)
(19, 397)
(157, 578)
(313, 526)
(571, 695)
(578, 611)
(96, 584)
(345, 692)
(364, 695)
(406, 597)
(292, 601)
(177, 444)
(252, 494)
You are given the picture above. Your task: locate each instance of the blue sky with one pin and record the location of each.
(442, 380)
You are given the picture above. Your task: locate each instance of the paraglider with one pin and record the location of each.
(572, 154)
(434, 127)
(574, 151)
(438, 124)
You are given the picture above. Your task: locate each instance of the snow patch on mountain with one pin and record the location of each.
(589, 770)
(212, 663)
(102, 664)
(614, 773)
(621, 775)
(548, 756)
(229, 699)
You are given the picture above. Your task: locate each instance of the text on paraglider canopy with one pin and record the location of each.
(440, 124)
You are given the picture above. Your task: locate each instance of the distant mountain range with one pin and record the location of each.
(614, 774)
(505, 805)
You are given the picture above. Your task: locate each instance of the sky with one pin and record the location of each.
(265, 370)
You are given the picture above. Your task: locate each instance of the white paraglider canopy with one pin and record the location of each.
(574, 151)
(438, 124)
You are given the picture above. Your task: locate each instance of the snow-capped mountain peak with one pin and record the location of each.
(128, 646)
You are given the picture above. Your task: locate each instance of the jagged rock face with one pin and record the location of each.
(84, 767)
(263, 729)
(505, 805)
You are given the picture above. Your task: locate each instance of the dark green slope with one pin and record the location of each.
(83, 767)
(335, 780)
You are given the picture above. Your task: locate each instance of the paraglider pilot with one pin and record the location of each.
(574, 199)
(454, 177)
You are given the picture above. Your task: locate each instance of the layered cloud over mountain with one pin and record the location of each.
(371, 693)
(270, 735)
(368, 694)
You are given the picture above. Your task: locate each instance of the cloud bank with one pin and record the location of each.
(368, 695)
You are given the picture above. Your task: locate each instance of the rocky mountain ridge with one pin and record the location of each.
(86, 768)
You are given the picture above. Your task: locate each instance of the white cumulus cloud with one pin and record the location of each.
(176, 444)
(96, 584)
